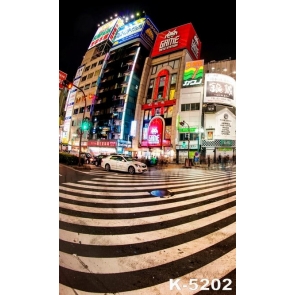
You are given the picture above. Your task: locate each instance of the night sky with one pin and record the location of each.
(214, 23)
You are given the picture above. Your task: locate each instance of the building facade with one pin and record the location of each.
(150, 95)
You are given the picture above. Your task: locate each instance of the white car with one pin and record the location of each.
(123, 163)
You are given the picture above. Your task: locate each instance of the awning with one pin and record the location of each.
(130, 149)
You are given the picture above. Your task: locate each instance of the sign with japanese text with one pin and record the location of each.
(219, 88)
(105, 32)
(178, 38)
(193, 73)
(62, 77)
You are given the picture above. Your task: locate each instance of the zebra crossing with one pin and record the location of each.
(116, 237)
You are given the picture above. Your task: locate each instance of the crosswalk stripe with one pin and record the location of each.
(108, 240)
(155, 207)
(141, 221)
(139, 262)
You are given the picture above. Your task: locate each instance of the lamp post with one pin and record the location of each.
(188, 141)
(81, 132)
(69, 86)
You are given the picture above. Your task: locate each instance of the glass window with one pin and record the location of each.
(150, 90)
(87, 69)
(87, 86)
(93, 65)
(176, 64)
(154, 69)
(96, 73)
(161, 86)
(171, 63)
(90, 76)
(93, 84)
(83, 78)
(81, 110)
(76, 111)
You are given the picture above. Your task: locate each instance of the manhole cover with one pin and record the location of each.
(160, 193)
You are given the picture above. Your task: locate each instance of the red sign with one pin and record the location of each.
(104, 143)
(62, 76)
(178, 38)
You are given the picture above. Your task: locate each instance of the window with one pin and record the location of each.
(83, 78)
(172, 86)
(73, 123)
(93, 65)
(93, 84)
(190, 107)
(161, 86)
(184, 136)
(90, 76)
(88, 108)
(150, 90)
(154, 70)
(87, 69)
(100, 62)
(87, 86)
(96, 73)
(195, 106)
(76, 111)
(81, 110)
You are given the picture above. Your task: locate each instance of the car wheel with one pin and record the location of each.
(131, 170)
(108, 167)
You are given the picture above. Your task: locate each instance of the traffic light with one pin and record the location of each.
(67, 84)
(85, 125)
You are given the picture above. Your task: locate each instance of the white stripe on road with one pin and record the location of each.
(144, 220)
(164, 185)
(144, 261)
(141, 200)
(217, 269)
(153, 208)
(126, 239)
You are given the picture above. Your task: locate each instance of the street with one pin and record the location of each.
(167, 231)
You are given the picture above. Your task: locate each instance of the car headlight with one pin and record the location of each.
(136, 165)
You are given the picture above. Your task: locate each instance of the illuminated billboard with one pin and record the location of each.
(182, 37)
(141, 28)
(193, 73)
(105, 32)
(62, 76)
(219, 88)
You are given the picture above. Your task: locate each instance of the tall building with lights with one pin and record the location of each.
(149, 94)
(109, 77)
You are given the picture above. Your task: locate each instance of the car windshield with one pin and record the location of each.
(129, 158)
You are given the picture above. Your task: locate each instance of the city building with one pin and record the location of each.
(150, 95)
(161, 102)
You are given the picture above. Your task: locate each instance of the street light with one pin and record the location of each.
(70, 85)
(188, 141)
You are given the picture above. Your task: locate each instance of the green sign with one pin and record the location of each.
(191, 129)
(224, 142)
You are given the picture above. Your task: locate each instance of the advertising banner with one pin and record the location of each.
(193, 73)
(225, 125)
(149, 33)
(79, 72)
(129, 31)
(141, 28)
(62, 76)
(178, 38)
(219, 88)
(104, 32)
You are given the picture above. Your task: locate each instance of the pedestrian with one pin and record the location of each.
(208, 162)
(219, 159)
